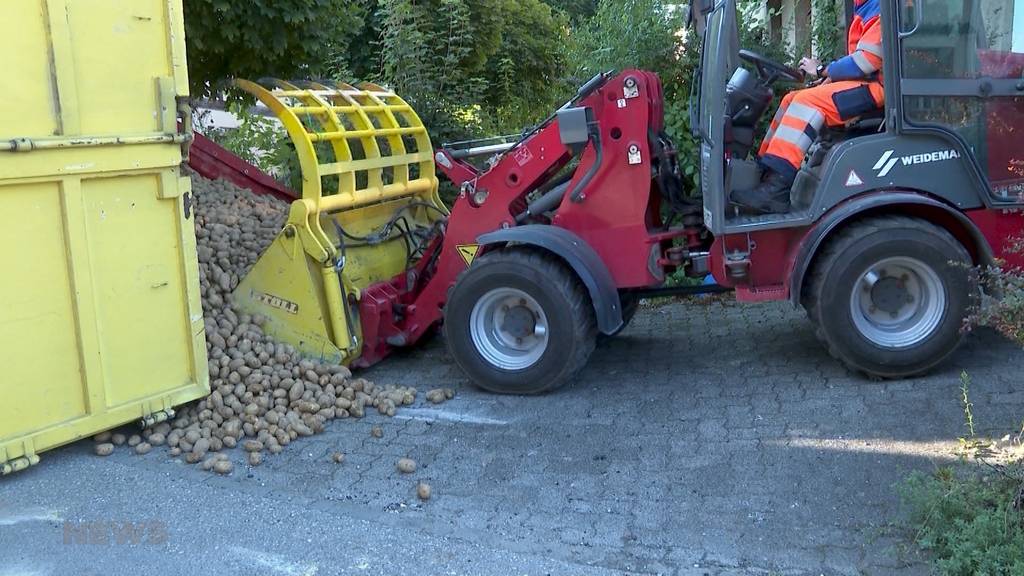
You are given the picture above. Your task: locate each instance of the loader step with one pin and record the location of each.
(750, 223)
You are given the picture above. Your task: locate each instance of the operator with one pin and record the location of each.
(846, 89)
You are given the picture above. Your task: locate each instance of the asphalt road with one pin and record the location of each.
(709, 438)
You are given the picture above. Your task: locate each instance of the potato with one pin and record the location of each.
(104, 449)
(252, 446)
(296, 391)
(255, 458)
(102, 437)
(423, 491)
(117, 439)
(377, 432)
(216, 444)
(262, 392)
(201, 447)
(406, 465)
(223, 467)
(143, 448)
(337, 457)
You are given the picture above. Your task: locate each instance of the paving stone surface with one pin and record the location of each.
(710, 438)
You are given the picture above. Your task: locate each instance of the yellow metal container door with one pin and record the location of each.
(100, 316)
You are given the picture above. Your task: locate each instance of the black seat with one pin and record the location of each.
(866, 123)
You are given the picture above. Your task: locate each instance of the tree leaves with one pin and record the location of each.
(259, 38)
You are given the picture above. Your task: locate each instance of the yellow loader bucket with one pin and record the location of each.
(367, 164)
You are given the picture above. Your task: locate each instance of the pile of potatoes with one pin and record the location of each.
(264, 395)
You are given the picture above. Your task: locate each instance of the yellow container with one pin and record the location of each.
(100, 314)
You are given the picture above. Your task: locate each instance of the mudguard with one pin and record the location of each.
(579, 256)
(878, 201)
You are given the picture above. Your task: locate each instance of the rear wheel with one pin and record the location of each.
(889, 295)
(519, 322)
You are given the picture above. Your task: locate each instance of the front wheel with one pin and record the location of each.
(889, 295)
(519, 322)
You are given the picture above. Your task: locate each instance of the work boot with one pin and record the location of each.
(771, 196)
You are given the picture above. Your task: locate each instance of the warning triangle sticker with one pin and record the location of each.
(468, 252)
(853, 179)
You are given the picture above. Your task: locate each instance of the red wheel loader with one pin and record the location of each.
(555, 234)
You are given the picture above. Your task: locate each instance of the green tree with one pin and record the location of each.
(434, 53)
(362, 57)
(473, 67)
(258, 38)
(630, 34)
(650, 35)
(576, 10)
(525, 77)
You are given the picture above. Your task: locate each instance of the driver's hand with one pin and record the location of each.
(809, 66)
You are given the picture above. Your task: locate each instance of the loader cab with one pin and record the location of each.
(954, 91)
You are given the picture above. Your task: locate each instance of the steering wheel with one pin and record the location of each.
(770, 70)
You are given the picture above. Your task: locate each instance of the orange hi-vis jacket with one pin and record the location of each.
(864, 45)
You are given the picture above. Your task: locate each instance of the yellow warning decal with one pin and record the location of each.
(468, 252)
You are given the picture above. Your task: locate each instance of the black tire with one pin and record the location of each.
(630, 304)
(841, 269)
(553, 286)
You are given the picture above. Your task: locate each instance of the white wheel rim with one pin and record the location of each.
(509, 329)
(898, 302)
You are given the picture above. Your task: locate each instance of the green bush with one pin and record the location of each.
(972, 522)
(1005, 310)
(972, 525)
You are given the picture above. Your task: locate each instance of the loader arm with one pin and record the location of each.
(369, 254)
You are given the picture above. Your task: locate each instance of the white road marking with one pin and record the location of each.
(23, 571)
(278, 564)
(30, 515)
(429, 415)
